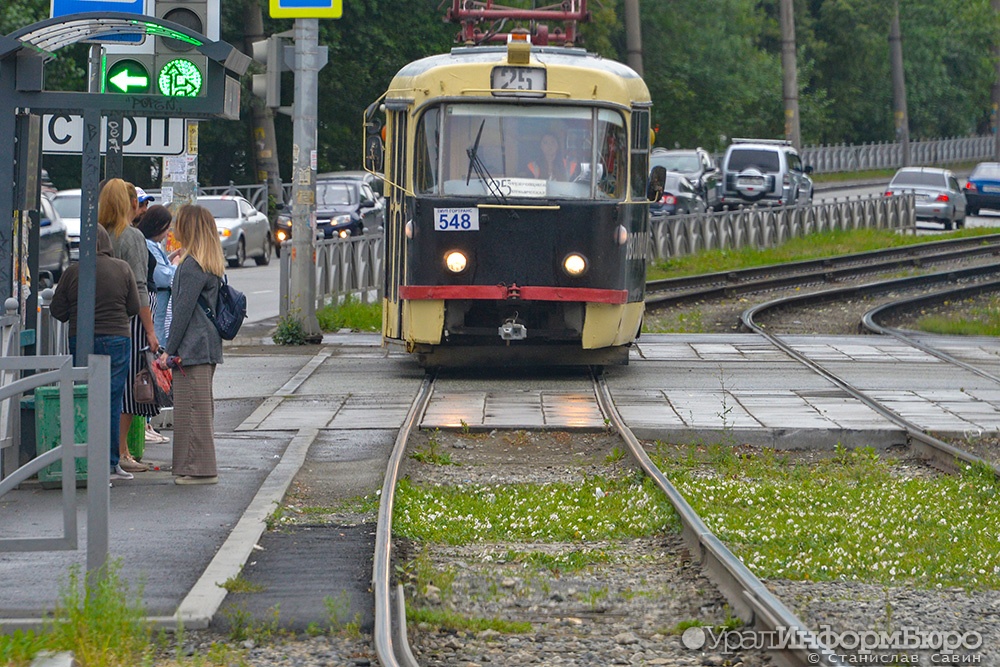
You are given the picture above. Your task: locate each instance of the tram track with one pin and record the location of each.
(669, 292)
(745, 595)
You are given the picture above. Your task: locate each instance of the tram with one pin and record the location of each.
(517, 227)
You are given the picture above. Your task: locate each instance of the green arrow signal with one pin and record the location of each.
(124, 81)
(180, 78)
(127, 76)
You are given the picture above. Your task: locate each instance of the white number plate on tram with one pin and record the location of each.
(518, 81)
(456, 219)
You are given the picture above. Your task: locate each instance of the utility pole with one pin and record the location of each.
(789, 74)
(633, 35)
(265, 143)
(302, 278)
(996, 91)
(899, 86)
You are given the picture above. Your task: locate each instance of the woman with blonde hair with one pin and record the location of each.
(115, 210)
(195, 344)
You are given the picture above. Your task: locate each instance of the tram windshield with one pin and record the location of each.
(501, 151)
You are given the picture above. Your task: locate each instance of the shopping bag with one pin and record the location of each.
(162, 382)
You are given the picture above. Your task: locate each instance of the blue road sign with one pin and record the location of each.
(306, 9)
(64, 7)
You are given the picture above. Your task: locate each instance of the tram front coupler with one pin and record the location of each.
(511, 329)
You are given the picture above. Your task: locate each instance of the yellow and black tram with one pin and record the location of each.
(517, 226)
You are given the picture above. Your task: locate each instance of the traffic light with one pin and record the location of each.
(277, 57)
(179, 70)
(128, 74)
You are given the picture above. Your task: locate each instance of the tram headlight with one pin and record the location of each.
(456, 261)
(575, 265)
(408, 229)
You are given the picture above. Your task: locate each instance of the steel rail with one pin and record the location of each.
(389, 654)
(749, 597)
(732, 283)
(926, 446)
(870, 321)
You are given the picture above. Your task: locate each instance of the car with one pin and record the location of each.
(764, 172)
(982, 190)
(243, 230)
(374, 181)
(697, 165)
(344, 207)
(53, 245)
(673, 194)
(938, 195)
(67, 205)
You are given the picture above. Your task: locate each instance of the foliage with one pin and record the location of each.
(445, 620)
(713, 69)
(852, 517)
(594, 509)
(978, 320)
(102, 623)
(351, 314)
(290, 331)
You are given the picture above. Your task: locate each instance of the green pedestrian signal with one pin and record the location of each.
(180, 77)
(127, 76)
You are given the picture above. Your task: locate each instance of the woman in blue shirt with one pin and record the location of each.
(155, 225)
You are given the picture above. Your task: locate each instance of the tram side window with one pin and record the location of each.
(640, 152)
(611, 144)
(426, 156)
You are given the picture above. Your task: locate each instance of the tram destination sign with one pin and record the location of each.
(153, 137)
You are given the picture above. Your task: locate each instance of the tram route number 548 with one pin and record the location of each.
(456, 219)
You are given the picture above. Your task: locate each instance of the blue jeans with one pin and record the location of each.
(118, 348)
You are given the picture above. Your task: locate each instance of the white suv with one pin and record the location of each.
(764, 172)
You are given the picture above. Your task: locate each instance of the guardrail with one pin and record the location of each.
(345, 268)
(889, 155)
(674, 236)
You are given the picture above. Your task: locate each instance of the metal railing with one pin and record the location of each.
(674, 236)
(59, 370)
(345, 268)
(255, 193)
(889, 155)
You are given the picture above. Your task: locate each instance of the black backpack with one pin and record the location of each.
(230, 310)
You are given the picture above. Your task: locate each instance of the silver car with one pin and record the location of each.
(939, 197)
(243, 230)
(67, 205)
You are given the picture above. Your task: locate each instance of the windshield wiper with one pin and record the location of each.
(492, 187)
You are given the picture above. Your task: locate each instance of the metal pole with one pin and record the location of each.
(302, 291)
(899, 86)
(633, 35)
(789, 78)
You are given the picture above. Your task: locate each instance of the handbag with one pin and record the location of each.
(142, 387)
(162, 381)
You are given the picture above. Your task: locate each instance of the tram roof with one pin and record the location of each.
(606, 79)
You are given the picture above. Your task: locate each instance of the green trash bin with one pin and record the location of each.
(137, 437)
(48, 436)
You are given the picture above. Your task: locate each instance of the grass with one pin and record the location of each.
(103, 624)
(594, 509)
(351, 314)
(825, 244)
(847, 518)
(448, 620)
(980, 321)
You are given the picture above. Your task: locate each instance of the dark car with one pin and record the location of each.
(982, 190)
(697, 165)
(672, 194)
(343, 208)
(53, 245)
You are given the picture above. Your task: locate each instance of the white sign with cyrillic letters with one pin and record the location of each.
(155, 137)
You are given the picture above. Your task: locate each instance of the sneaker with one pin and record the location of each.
(118, 473)
(155, 438)
(191, 479)
(129, 464)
